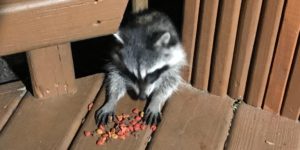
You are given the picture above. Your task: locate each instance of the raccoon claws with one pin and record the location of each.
(101, 116)
(152, 118)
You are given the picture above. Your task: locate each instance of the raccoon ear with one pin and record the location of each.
(119, 37)
(164, 39)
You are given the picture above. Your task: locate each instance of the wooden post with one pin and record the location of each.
(284, 55)
(263, 51)
(224, 46)
(139, 5)
(204, 46)
(243, 47)
(52, 72)
(291, 107)
(189, 31)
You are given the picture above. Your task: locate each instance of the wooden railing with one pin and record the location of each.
(44, 29)
(248, 50)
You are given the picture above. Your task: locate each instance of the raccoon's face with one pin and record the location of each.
(142, 61)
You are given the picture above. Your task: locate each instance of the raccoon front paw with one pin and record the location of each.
(152, 117)
(102, 115)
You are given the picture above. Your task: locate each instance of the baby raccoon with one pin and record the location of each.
(148, 63)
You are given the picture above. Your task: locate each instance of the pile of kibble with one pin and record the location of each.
(120, 127)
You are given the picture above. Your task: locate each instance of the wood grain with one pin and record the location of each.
(10, 96)
(139, 5)
(204, 46)
(247, 28)
(224, 46)
(34, 24)
(291, 106)
(189, 31)
(194, 120)
(255, 129)
(263, 51)
(283, 58)
(52, 123)
(52, 71)
(125, 105)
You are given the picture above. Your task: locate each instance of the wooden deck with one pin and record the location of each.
(192, 119)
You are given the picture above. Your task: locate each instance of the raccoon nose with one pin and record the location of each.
(142, 96)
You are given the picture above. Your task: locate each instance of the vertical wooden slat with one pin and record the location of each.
(224, 46)
(205, 37)
(291, 107)
(284, 54)
(189, 31)
(243, 48)
(51, 70)
(263, 51)
(139, 5)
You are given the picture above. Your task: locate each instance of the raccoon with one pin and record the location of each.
(148, 62)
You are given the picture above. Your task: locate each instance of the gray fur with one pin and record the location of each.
(149, 63)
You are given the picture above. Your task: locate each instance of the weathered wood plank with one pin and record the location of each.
(34, 24)
(291, 106)
(10, 96)
(283, 58)
(52, 71)
(189, 31)
(263, 51)
(125, 105)
(194, 120)
(139, 5)
(205, 37)
(224, 46)
(254, 129)
(247, 27)
(52, 123)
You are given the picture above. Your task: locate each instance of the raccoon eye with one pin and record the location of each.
(151, 77)
(130, 75)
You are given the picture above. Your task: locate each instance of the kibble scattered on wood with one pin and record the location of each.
(120, 127)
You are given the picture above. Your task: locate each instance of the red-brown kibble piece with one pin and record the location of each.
(130, 128)
(90, 106)
(127, 133)
(135, 111)
(101, 141)
(133, 122)
(125, 116)
(87, 133)
(113, 130)
(119, 117)
(153, 128)
(105, 135)
(137, 127)
(120, 133)
(101, 127)
(143, 126)
(138, 118)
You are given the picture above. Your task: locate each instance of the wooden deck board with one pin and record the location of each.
(10, 96)
(194, 120)
(125, 105)
(49, 123)
(254, 129)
